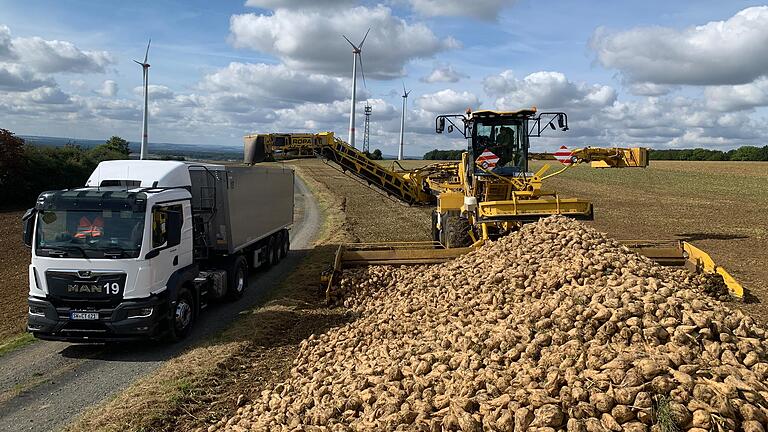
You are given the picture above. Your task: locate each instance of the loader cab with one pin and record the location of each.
(498, 142)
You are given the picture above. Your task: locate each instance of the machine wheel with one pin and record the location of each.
(183, 316)
(274, 249)
(454, 232)
(285, 244)
(237, 278)
(435, 229)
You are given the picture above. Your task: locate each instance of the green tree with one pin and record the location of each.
(377, 154)
(12, 180)
(118, 145)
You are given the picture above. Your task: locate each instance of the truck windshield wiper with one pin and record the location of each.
(113, 252)
(64, 249)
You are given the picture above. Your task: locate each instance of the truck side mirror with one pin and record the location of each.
(173, 225)
(28, 225)
(440, 125)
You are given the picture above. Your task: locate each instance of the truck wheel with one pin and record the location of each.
(183, 317)
(286, 244)
(275, 250)
(237, 278)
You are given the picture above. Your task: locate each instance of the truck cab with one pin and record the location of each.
(127, 256)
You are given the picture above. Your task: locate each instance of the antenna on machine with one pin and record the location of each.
(145, 72)
(402, 122)
(367, 134)
(357, 56)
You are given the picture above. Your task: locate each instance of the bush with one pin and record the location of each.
(27, 170)
(443, 155)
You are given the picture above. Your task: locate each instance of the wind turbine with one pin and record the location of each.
(145, 69)
(357, 56)
(402, 122)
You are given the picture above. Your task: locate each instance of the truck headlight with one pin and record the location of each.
(36, 310)
(140, 313)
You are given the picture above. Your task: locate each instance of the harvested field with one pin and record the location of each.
(371, 216)
(552, 327)
(14, 261)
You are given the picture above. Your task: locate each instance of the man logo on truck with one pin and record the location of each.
(85, 288)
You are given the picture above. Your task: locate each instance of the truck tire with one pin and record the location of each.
(237, 278)
(455, 230)
(183, 317)
(276, 246)
(285, 244)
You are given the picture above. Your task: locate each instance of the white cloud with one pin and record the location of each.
(547, 90)
(288, 4)
(155, 92)
(738, 97)
(5, 43)
(444, 73)
(448, 101)
(717, 53)
(277, 85)
(650, 89)
(58, 56)
(481, 9)
(15, 78)
(311, 39)
(108, 88)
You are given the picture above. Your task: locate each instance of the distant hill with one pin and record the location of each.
(190, 151)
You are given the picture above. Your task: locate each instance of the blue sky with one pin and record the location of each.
(652, 73)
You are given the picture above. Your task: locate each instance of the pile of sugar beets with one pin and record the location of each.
(555, 327)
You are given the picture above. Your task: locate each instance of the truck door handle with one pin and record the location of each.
(176, 260)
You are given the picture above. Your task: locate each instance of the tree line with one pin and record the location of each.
(27, 170)
(745, 153)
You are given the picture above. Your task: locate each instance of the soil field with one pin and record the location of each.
(14, 262)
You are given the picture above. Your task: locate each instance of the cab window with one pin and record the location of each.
(160, 227)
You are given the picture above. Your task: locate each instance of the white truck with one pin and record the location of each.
(146, 245)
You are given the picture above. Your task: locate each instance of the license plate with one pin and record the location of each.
(89, 316)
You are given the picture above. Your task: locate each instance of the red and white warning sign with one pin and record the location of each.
(487, 159)
(564, 155)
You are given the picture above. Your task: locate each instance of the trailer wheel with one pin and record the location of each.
(237, 278)
(274, 251)
(182, 317)
(285, 244)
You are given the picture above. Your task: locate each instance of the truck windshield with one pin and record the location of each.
(503, 144)
(89, 233)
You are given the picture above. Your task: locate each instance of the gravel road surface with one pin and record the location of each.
(47, 384)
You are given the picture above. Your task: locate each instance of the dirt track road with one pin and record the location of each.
(44, 386)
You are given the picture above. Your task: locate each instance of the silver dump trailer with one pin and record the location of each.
(145, 246)
(245, 205)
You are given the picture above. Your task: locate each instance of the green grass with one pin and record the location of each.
(16, 342)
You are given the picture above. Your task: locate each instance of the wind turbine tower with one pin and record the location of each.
(145, 71)
(367, 134)
(357, 56)
(402, 122)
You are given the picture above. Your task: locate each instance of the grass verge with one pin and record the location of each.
(13, 343)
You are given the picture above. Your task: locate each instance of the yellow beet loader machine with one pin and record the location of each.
(489, 193)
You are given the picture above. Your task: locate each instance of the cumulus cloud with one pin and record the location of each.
(155, 91)
(5, 43)
(295, 36)
(738, 97)
(548, 90)
(277, 84)
(480, 9)
(288, 4)
(17, 78)
(108, 89)
(725, 52)
(58, 56)
(448, 101)
(650, 89)
(443, 73)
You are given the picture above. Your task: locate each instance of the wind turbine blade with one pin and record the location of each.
(405, 92)
(146, 54)
(362, 71)
(138, 62)
(350, 42)
(364, 37)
